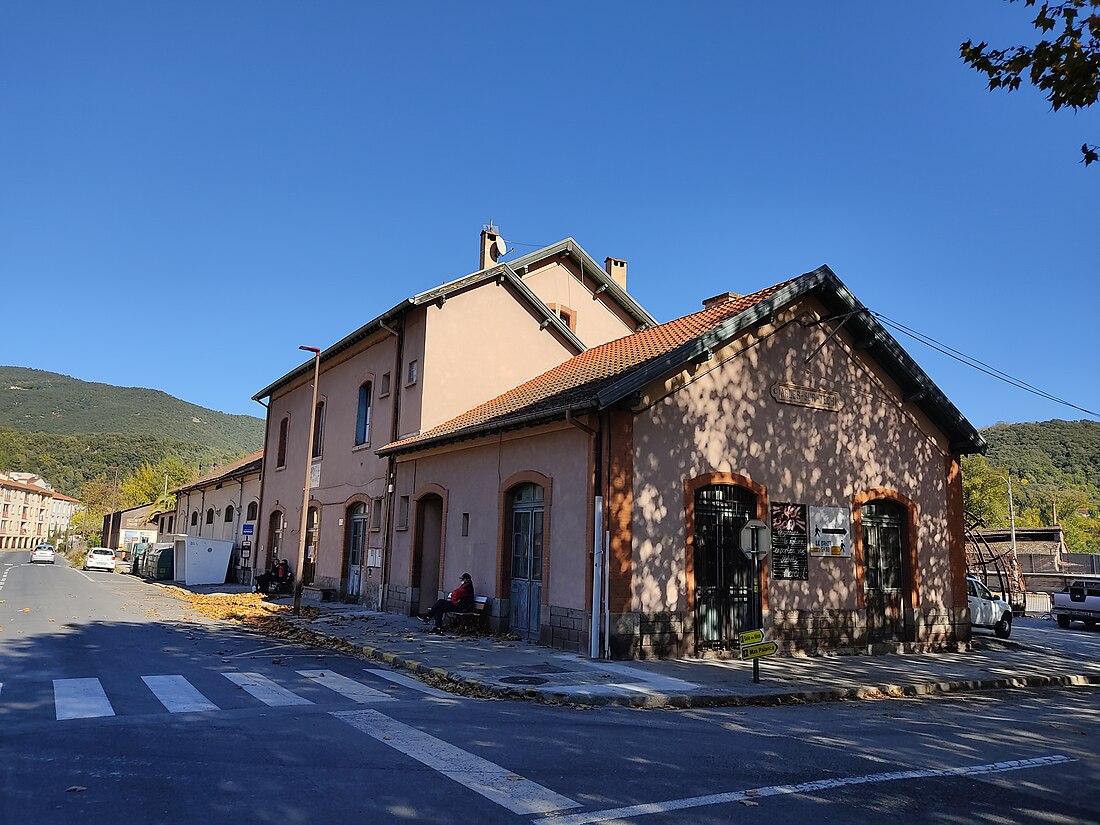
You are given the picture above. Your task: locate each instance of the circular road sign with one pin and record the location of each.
(755, 527)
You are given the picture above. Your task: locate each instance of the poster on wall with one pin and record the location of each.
(831, 532)
(790, 541)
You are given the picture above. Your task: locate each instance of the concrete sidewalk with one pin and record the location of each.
(485, 665)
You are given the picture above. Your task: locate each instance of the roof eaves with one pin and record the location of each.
(252, 466)
(636, 379)
(500, 424)
(551, 317)
(499, 273)
(927, 395)
(593, 270)
(367, 329)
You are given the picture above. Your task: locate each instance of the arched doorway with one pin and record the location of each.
(526, 506)
(356, 545)
(884, 547)
(428, 549)
(274, 538)
(313, 524)
(723, 574)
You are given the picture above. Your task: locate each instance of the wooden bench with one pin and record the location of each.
(471, 620)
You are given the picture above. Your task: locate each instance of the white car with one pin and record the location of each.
(101, 558)
(986, 610)
(43, 552)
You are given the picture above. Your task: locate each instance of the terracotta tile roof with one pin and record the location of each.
(576, 382)
(222, 471)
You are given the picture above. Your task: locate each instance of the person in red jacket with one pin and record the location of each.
(460, 600)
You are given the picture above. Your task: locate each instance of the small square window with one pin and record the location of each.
(465, 524)
(384, 385)
(413, 372)
(402, 513)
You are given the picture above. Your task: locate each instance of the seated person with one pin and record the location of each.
(460, 601)
(278, 577)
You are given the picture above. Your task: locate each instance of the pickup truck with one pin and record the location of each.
(1079, 602)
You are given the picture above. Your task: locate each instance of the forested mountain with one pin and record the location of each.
(1054, 467)
(45, 402)
(1065, 452)
(71, 432)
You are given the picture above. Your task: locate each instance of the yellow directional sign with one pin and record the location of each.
(758, 650)
(750, 637)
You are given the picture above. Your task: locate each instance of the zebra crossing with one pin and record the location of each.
(87, 697)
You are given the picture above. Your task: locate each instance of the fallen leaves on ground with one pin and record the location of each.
(257, 613)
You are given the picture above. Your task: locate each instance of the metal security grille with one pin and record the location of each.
(883, 575)
(723, 575)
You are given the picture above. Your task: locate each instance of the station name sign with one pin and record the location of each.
(807, 397)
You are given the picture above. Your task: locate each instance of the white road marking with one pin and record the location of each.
(408, 682)
(265, 690)
(801, 788)
(177, 694)
(356, 691)
(80, 699)
(519, 795)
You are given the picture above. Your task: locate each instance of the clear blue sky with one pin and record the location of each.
(190, 190)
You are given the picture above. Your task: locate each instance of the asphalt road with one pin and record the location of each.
(118, 706)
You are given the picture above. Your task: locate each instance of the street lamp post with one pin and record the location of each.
(306, 486)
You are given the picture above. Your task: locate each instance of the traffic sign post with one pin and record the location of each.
(756, 542)
(754, 652)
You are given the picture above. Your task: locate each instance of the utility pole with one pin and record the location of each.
(306, 486)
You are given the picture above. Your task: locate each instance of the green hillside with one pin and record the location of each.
(72, 432)
(45, 402)
(1055, 472)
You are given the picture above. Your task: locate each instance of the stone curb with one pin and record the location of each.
(696, 700)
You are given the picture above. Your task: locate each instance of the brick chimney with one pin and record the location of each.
(724, 298)
(489, 250)
(616, 268)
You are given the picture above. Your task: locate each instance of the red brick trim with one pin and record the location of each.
(956, 531)
(619, 430)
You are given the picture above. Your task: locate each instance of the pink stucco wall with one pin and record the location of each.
(480, 343)
(721, 417)
(345, 470)
(598, 318)
(472, 478)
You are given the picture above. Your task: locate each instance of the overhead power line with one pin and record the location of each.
(977, 364)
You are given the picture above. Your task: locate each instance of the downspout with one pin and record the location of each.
(260, 506)
(598, 585)
(391, 461)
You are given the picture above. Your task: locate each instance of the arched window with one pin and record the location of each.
(284, 429)
(253, 508)
(194, 517)
(210, 516)
(318, 429)
(362, 418)
(229, 511)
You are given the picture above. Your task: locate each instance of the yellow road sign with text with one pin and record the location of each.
(758, 650)
(750, 637)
